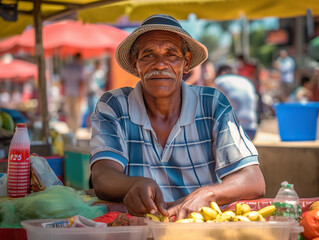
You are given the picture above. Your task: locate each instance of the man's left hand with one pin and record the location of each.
(182, 207)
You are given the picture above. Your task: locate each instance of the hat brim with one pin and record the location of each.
(122, 54)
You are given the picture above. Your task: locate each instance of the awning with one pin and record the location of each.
(68, 37)
(136, 10)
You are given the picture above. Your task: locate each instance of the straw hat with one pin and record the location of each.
(165, 23)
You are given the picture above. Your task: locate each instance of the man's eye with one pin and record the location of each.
(170, 54)
(147, 56)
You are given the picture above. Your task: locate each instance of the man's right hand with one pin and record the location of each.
(140, 195)
(145, 196)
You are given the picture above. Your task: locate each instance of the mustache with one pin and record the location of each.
(158, 73)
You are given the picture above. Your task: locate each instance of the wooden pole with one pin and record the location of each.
(244, 37)
(39, 56)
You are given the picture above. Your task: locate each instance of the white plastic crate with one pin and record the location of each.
(35, 231)
(226, 231)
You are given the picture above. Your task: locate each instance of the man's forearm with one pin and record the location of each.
(110, 183)
(247, 183)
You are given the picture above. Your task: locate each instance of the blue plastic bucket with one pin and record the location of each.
(297, 121)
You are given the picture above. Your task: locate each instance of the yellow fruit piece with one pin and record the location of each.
(267, 211)
(245, 208)
(252, 216)
(238, 209)
(314, 206)
(197, 220)
(196, 215)
(208, 213)
(210, 221)
(261, 218)
(229, 213)
(152, 217)
(185, 220)
(239, 218)
(163, 218)
(157, 217)
(223, 218)
(215, 206)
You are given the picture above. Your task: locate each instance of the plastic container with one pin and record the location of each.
(18, 182)
(297, 121)
(225, 230)
(56, 163)
(76, 167)
(36, 232)
(287, 203)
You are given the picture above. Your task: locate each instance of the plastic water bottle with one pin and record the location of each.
(18, 182)
(287, 203)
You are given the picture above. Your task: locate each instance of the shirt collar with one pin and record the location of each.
(138, 113)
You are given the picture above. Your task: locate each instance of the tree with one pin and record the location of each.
(209, 40)
(259, 48)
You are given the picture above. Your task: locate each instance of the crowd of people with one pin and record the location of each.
(81, 85)
(242, 86)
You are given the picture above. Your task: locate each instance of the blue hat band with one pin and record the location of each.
(161, 20)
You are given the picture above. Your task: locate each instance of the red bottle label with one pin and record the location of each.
(18, 183)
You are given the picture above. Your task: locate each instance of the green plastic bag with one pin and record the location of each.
(52, 203)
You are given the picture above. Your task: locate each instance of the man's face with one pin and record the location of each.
(161, 63)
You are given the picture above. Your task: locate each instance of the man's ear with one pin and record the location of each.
(187, 63)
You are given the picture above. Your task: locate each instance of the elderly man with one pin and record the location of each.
(166, 141)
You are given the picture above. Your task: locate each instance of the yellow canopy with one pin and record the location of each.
(49, 9)
(137, 10)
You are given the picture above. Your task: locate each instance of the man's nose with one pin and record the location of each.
(160, 63)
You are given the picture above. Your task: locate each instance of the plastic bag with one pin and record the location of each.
(3, 184)
(42, 175)
(56, 202)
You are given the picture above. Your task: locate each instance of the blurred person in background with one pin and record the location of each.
(250, 70)
(4, 96)
(208, 73)
(193, 77)
(73, 89)
(96, 79)
(302, 93)
(16, 97)
(286, 66)
(241, 94)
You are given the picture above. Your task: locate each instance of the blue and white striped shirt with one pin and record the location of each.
(206, 144)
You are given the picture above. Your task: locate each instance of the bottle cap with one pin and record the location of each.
(21, 125)
(285, 184)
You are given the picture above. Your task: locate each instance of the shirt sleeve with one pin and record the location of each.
(233, 148)
(107, 141)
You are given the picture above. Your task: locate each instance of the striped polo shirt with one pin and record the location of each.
(206, 144)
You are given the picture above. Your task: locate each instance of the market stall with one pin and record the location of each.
(282, 230)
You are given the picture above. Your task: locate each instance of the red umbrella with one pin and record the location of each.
(67, 38)
(17, 70)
